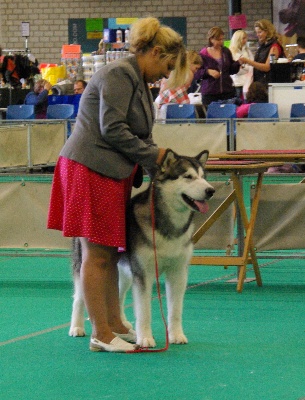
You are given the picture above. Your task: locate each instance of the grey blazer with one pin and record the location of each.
(113, 129)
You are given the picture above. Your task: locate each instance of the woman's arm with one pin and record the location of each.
(264, 67)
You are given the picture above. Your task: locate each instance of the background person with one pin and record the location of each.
(95, 170)
(217, 66)
(257, 93)
(300, 48)
(268, 45)
(39, 98)
(180, 94)
(244, 76)
(79, 86)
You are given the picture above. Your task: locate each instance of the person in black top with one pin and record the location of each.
(269, 45)
(301, 49)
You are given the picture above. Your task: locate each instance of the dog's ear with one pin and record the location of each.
(169, 158)
(203, 157)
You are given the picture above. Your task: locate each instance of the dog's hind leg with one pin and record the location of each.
(77, 327)
(125, 281)
(176, 280)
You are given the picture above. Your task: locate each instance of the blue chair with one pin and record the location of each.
(20, 111)
(263, 110)
(180, 112)
(297, 110)
(60, 111)
(219, 110)
(76, 100)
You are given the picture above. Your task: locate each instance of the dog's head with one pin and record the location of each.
(184, 181)
(289, 16)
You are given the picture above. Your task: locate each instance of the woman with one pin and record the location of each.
(269, 45)
(257, 93)
(244, 76)
(39, 98)
(180, 94)
(218, 65)
(95, 170)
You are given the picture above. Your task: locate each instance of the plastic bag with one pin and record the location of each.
(195, 98)
(54, 74)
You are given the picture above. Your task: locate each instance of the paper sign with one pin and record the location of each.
(237, 21)
(94, 35)
(94, 24)
(25, 29)
(125, 21)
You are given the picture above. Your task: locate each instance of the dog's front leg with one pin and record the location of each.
(142, 292)
(176, 280)
(77, 327)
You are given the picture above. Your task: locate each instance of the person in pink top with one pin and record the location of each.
(257, 93)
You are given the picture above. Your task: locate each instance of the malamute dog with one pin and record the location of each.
(176, 192)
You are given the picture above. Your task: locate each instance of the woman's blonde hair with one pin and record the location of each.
(268, 27)
(236, 44)
(147, 33)
(194, 57)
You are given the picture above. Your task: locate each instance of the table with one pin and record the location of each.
(246, 254)
(291, 156)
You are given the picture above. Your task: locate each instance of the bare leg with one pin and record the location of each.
(99, 276)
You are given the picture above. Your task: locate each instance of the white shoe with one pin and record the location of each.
(117, 345)
(130, 337)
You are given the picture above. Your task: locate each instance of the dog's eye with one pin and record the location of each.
(188, 176)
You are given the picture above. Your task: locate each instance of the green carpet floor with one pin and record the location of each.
(242, 346)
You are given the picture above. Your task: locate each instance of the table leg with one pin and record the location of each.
(248, 250)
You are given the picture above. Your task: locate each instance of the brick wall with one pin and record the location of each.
(49, 20)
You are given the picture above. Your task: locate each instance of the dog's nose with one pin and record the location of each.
(209, 192)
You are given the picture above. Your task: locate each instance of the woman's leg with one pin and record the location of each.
(99, 276)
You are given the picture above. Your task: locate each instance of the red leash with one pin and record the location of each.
(146, 349)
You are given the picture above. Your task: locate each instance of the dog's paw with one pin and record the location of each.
(77, 331)
(179, 338)
(146, 342)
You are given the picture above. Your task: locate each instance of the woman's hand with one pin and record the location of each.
(47, 86)
(161, 156)
(214, 73)
(243, 60)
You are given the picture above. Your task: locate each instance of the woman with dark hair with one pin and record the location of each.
(257, 93)
(269, 47)
(218, 65)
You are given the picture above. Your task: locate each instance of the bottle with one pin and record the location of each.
(119, 35)
(126, 35)
(303, 74)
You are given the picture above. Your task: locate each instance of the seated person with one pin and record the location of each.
(180, 94)
(257, 93)
(301, 49)
(79, 86)
(39, 98)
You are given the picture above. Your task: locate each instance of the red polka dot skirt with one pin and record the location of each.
(87, 204)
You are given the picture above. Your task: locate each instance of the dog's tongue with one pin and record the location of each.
(290, 29)
(202, 206)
